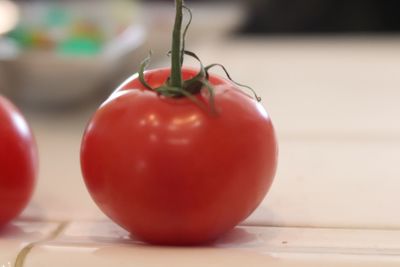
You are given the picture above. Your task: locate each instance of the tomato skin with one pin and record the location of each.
(172, 173)
(18, 162)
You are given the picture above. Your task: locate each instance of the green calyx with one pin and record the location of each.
(175, 86)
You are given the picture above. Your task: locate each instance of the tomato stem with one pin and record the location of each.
(176, 55)
(175, 86)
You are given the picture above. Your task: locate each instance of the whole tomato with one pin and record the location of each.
(178, 156)
(172, 173)
(18, 162)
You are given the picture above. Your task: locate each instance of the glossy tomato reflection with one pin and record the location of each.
(18, 162)
(172, 173)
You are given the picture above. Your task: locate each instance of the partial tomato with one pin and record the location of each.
(173, 173)
(18, 162)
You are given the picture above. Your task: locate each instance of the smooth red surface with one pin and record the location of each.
(172, 173)
(18, 162)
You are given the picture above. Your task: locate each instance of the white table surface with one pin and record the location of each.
(335, 105)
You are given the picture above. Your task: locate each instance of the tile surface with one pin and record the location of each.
(17, 235)
(60, 193)
(331, 182)
(104, 244)
(319, 86)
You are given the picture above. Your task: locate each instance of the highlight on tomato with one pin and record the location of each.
(179, 156)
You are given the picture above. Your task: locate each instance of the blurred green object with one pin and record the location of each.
(67, 52)
(21, 35)
(79, 46)
(57, 16)
(71, 29)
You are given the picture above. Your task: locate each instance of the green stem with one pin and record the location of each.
(176, 65)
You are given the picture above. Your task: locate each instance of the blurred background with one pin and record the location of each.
(326, 69)
(59, 54)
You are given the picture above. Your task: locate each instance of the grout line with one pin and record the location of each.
(367, 228)
(20, 260)
(342, 251)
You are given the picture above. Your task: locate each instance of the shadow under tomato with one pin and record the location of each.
(238, 236)
(244, 234)
(11, 231)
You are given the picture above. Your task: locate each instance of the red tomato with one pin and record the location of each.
(18, 162)
(172, 173)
